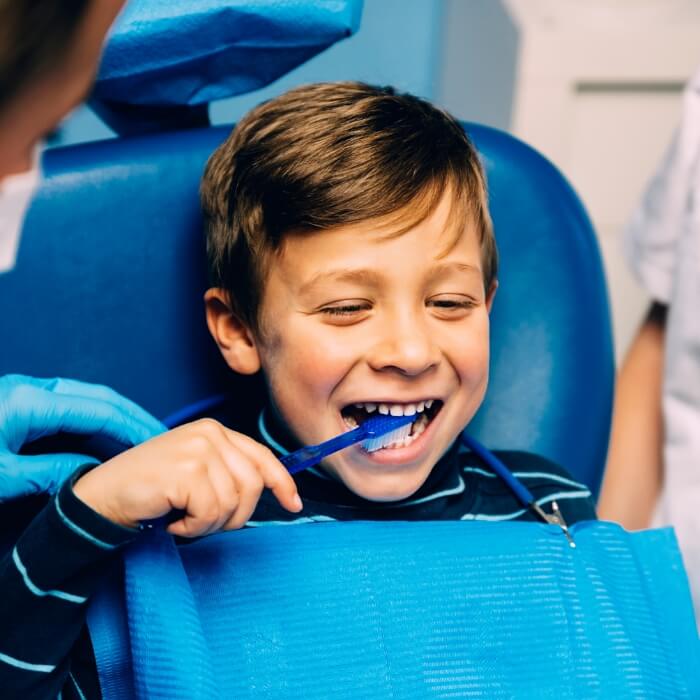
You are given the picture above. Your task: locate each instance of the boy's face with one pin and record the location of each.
(351, 316)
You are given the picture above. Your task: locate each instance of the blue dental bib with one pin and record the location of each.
(400, 610)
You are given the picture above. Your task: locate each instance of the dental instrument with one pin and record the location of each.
(519, 489)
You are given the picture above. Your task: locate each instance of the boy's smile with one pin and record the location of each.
(355, 321)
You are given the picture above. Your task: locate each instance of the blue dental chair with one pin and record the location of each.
(111, 271)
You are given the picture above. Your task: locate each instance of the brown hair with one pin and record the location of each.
(326, 155)
(34, 35)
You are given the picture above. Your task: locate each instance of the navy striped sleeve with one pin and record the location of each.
(46, 581)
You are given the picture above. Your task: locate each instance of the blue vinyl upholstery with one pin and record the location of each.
(111, 270)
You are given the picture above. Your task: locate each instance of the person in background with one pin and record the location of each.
(653, 471)
(49, 51)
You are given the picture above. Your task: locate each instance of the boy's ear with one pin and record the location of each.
(235, 340)
(490, 294)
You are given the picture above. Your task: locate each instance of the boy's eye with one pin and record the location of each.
(342, 310)
(452, 304)
(347, 311)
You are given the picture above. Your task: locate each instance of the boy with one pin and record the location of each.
(353, 262)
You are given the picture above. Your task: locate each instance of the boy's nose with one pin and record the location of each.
(406, 347)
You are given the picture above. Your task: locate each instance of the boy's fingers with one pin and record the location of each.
(274, 475)
(228, 491)
(202, 510)
(250, 485)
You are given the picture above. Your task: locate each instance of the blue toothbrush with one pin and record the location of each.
(372, 428)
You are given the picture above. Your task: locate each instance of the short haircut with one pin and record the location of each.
(34, 35)
(326, 155)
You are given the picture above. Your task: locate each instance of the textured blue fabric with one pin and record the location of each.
(404, 611)
(112, 252)
(190, 52)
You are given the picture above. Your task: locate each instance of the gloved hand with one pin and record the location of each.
(34, 408)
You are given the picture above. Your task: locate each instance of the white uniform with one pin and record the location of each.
(16, 193)
(663, 249)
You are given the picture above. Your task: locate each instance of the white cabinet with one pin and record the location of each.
(596, 86)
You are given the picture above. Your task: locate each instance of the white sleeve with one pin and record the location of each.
(663, 243)
(652, 237)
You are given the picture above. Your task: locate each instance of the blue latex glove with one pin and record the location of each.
(33, 408)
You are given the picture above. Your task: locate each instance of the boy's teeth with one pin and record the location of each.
(402, 437)
(396, 409)
(350, 422)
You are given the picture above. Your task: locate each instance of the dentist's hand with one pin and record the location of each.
(34, 408)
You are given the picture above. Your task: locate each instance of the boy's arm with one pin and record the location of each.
(634, 471)
(214, 475)
(46, 581)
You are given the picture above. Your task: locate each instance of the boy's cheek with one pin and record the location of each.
(300, 380)
(469, 359)
(315, 360)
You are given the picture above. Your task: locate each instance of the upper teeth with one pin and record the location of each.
(396, 409)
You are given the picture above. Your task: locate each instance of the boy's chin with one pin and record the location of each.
(382, 488)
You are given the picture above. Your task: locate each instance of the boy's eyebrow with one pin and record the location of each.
(372, 277)
(447, 267)
(357, 276)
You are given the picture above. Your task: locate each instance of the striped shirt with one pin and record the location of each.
(459, 487)
(48, 576)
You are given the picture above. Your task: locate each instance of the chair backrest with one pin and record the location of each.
(111, 270)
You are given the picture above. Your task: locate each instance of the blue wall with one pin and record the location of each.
(398, 43)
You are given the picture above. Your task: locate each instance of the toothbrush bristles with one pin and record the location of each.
(385, 440)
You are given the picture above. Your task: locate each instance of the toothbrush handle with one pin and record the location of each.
(374, 427)
(313, 454)
(301, 459)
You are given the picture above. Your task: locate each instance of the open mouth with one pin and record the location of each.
(424, 412)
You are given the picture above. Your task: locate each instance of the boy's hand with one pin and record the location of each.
(212, 473)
